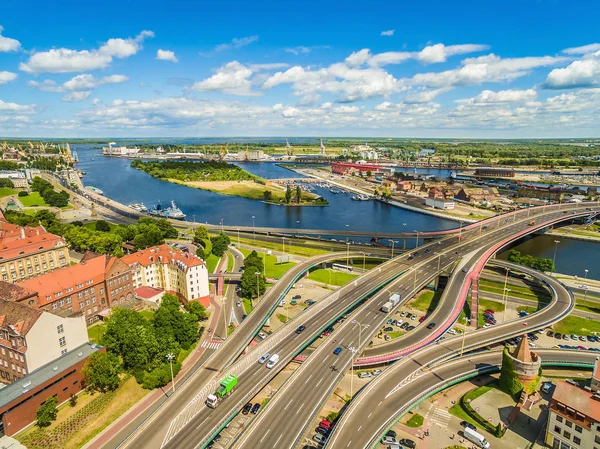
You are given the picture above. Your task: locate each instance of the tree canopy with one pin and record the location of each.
(101, 372)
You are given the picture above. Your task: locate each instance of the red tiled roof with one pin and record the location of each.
(19, 316)
(68, 277)
(151, 256)
(145, 292)
(13, 292)
(17, 241)
(578, 399)
(522, 351)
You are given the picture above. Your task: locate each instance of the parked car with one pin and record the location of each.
(297, 297)
(376, 372)
(422, 319)
(410, 328)
(391, 433)
(558, 335)
(321, 439)
(468, 425)
(390, 321)
(489, 311)
(246, 408)
(550, 334)
(430, 325)
(388, 329)
(323, 431)
(547, 387)
(403, 314)
(325, 424)
(255, 408)
(364, 375)
(404, 325)
(389, 440)
(405, 442)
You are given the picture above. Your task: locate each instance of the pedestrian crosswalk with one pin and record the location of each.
(441, 417)
(211, 344)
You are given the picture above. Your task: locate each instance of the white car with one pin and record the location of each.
(264, 358)
(239, 304)
(262, 335)
(451, 332)
(389, 440)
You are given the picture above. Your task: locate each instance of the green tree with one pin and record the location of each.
(170, 320)
(253, 259)
(102, 226)
(101, 372)
(219, 244)
(288, 194)
(248, 286)
(200, 234)
(298, 194)
(5, 182)
(267, 195)
(47, 412)
(196, 309)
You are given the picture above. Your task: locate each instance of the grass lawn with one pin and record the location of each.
(96, 332)
(277, 246)
(576, 325)
(427, 301)
(32, 200)
(247, 302)
(460, 413)
(183, 354)
(281, 317)
(485, 304)
(211, 263)
(395, 334)
(337, 277)
(148, 314)
(416, 420)
(272, 268)
(230, 262)
(516, 291)
(7, 191)
(588, 306)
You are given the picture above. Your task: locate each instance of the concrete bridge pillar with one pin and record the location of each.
(474, 301)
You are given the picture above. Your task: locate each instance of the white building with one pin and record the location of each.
(31, 338)
(439, 204)
(111, 150)
(18, 179)
(173, 271)
(574, 415)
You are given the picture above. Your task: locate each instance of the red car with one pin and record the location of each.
(489, 311)
(325, 424)
(422, 319)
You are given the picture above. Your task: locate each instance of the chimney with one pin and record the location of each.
(22, 233)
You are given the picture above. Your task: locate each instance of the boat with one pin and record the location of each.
(139, 207)
(95, 190)
(170, 212)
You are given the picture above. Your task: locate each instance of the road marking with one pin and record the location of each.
(309, 377)
(358, 430)
(265, 435)
(370, 415)
(380, 402)
(299, 408)
(275, 445)
(318, 383)
(348, 445)
(291, 400)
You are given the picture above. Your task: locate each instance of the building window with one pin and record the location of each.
(597, 439)
(63, 352)
(567, 435)
(577, 440)
(54, 306)
(62, 341)
(60, 329)
(578, 428)
(559, 418)
(61, 302)
(568, 423)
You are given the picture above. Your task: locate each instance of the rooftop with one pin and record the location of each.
(18, 317)
(162, 254)
(578, 399)
(18, 241)
(146, 292)
(45, 373)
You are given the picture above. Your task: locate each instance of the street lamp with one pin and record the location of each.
(585, 285)
(170, 356)
(347, 226)
(556, 242)
(238, 230)
(460, 231)
(347, 254)
(417, 245)
(283, 244)
(222, 226)
(404, 232)
(462, 346)
(364, 259)
(355, 353)
(253, 229)
(257, 285)
(392, 241)
(506, 292)
(297, 227)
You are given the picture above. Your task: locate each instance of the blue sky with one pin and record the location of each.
(511, 68)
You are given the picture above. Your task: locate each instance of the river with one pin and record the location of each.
(124, 184)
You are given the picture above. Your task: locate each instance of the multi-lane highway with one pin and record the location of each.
(411, 374)
(193, 425)
(313, 382)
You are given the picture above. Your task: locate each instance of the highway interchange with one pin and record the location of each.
(193, 424)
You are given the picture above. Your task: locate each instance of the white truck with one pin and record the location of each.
(391, 303)
(476, 437)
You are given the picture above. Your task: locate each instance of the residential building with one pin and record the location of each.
(61, 377)
(27, 251)
(111, 150)
(97, 283)
(18, 179)
(495, 172)
(439, 203)
(176, 272)
(151, 295)
(478, 195)
(31, 338)
(340, 168)
(574, 416)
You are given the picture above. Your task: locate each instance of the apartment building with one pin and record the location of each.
(177, 272)
(30, 338)
(26, 252)
(97, 283)
(574, 415)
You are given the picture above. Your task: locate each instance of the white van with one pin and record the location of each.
(477, 438)
(273, 361)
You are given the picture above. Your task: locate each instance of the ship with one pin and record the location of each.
(170, 212)
(95, 190)
(360, 198)
(139, 207)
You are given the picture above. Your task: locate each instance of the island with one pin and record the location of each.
(228, 179)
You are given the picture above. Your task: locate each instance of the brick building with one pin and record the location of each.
(495, 172)
(177, 272)
(27, 251)
(31, 338)
(62, 377)
(97, 283)
(340, 168)
(478, 195)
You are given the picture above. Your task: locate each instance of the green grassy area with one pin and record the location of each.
(32, 200)
(427, 301)
(184, 353)
(277, 246)
(331, 277)
(485, 304)
(460, 413)
(576, 325)
(148, 314)
(281, 317)
(395, 334)
(586, 305)
(272, 268)
(230, 262)
(516, 291)
(415, 420)
(247, 302)
(527, 309)
(96, 332)
(211, 263)
(7, 191)
(230, 329)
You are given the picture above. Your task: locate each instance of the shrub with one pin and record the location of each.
(47, 412)
(23, 193)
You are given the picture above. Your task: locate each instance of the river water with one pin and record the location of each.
(124, 184)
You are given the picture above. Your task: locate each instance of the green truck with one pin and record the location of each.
(224, 389)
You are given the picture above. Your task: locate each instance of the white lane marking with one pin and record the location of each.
(318, 383)
(370, 415)
(308, 378)
(299, 408)
(265, 435)
(291, 400)
(275, 445)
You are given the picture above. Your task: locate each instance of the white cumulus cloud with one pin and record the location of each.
(584, 49)
(6, 77)
(388, 32)
(166, 55)
(63, 60)
(77, 96)
(17, 108)
(503, 96)
(81, 82)
(232, 78)
(583, 72)
(7, 44)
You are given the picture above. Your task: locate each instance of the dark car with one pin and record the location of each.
(246, 408)
(416, 253)
(404, 325)
(217, 438)
(430, 325)
(558, 335)
(427, 250)
(300, 328)
(388, 329)
(410, 257)
(391, 434)
(405, 442)
(468, 425)
(255, 408)
(322, 430)
(244, 316)
(410, 328)
(550, 334)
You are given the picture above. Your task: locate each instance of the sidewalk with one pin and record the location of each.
(154, 396)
